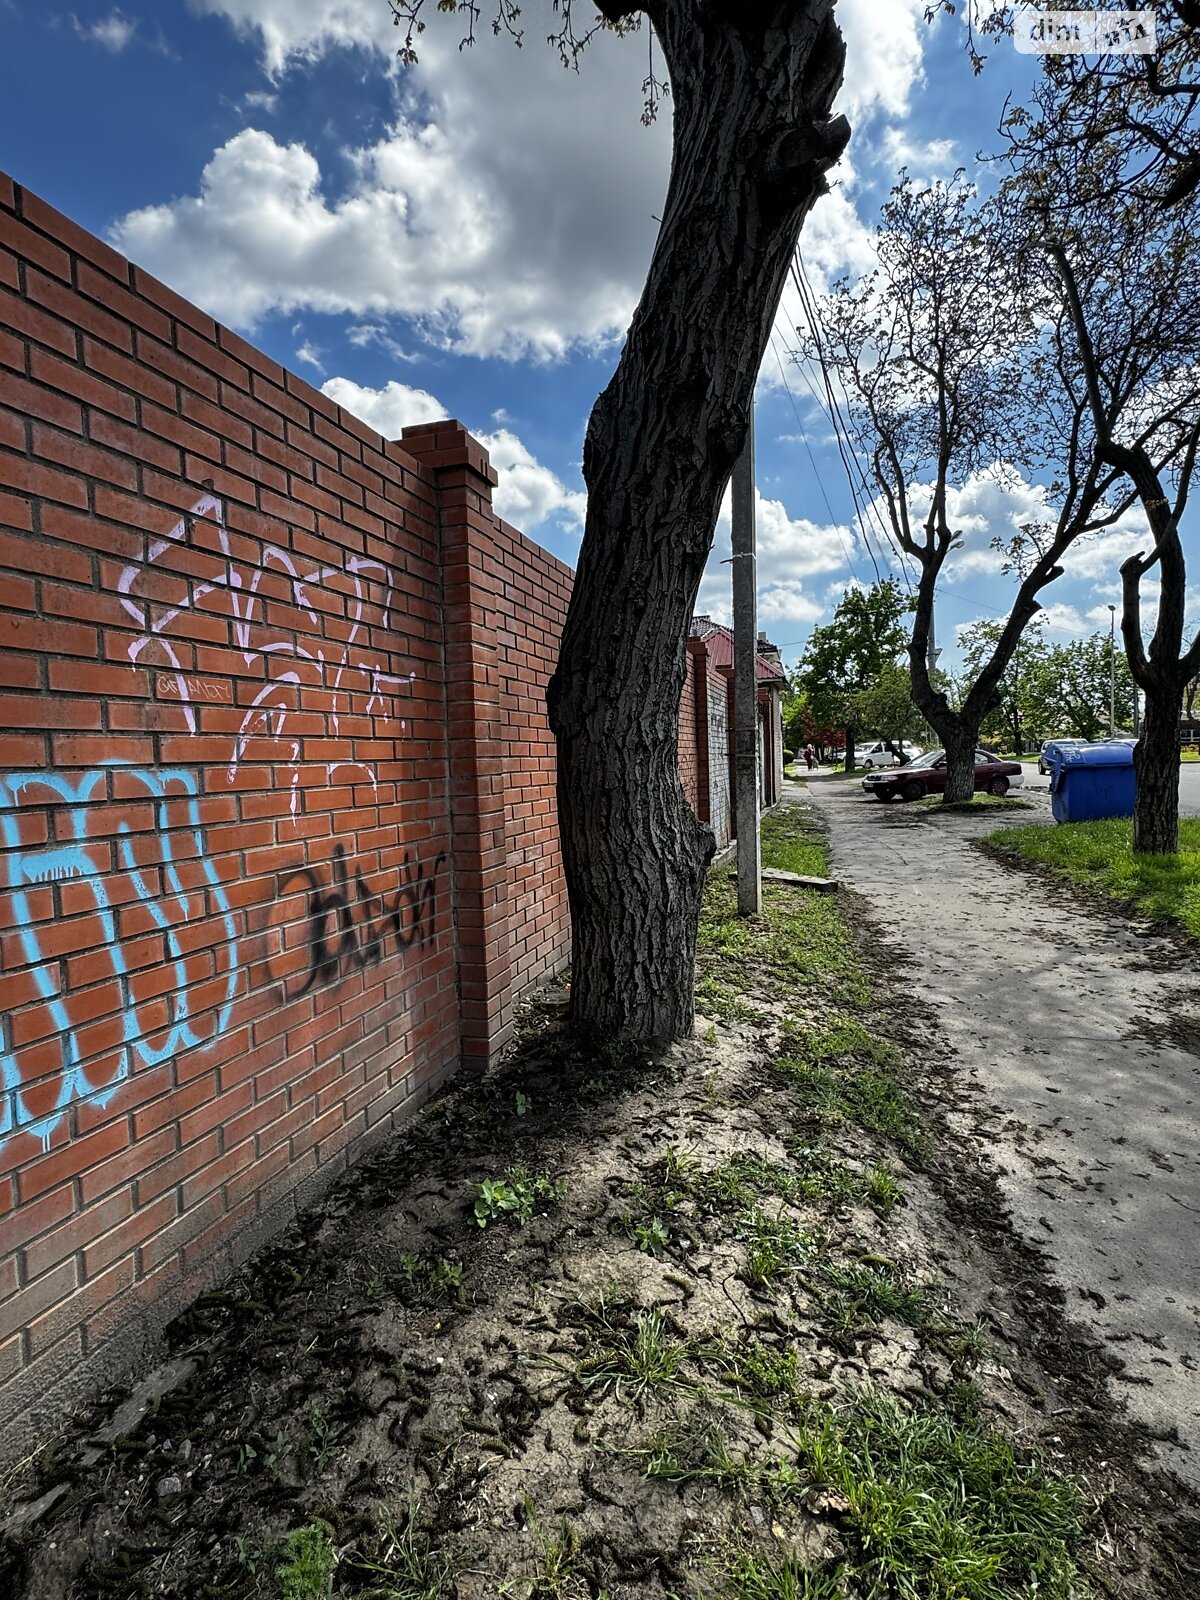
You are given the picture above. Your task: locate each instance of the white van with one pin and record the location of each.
(878, 754)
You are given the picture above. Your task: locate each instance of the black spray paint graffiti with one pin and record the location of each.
(351, 926)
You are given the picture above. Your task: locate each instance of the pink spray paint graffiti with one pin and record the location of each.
(280, 614)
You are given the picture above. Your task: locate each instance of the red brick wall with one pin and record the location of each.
(270, 712)
(532, 606)
(690, 730)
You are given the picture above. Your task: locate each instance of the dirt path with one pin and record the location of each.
(740, 1322)
(1078, 1036)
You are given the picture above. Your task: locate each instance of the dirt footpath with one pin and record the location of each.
(1078, 1036)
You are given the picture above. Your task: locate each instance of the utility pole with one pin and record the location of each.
(932, 651)
(745, 682)
(1112, 672)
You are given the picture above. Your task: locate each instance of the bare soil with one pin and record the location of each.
(388, 1363)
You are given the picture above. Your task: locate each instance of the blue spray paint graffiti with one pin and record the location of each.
(69, 857)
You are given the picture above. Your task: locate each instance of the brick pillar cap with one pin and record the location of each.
(448, 444)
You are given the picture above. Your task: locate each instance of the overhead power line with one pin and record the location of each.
(842, 434)
(836, 525)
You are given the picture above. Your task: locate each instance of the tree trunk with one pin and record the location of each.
(849, 762)
(960, 763)
(751, 84)
(1156, 764)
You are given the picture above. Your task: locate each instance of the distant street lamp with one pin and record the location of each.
(1112, 672)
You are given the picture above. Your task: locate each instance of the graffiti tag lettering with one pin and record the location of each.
(350, 925)
(175, 883)
(264, 603)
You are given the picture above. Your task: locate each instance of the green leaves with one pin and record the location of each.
(515, 1196)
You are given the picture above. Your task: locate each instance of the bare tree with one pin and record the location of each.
(1143, 108)
(1126, 269)
(752, 83)
(952, 364)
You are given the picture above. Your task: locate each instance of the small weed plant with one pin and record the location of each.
(515, 1197)
(305, 1571)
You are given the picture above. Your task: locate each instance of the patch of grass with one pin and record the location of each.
(863, 1293)
(723, 1000)
(799, 945)
(626, 1352)
(724, 936)
(556, 1555)
(883, 1189)
(696, 1449)
(977, 802)
(845, 1072)
(405, 1566)
(821, 1176)
(754, 1576)
(760, 1371)
(305, 1570)
(515, 1196)
(1099, 855)
(742, 1180)
(935, 1506)
(791, 845)
(775, 1245)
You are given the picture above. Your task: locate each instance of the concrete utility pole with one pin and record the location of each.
(745, 682)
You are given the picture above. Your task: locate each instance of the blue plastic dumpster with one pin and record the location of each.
(1092, 781)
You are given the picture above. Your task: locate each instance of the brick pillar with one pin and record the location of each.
(462, 477)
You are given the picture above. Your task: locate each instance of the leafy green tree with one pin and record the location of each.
(1055, 689)
(849, 655)
(885, 707)
(752, 84)
(801, 724)
(1084, 675)
(1021, 713)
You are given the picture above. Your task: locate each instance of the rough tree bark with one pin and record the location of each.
(1164, 670)
(752, 84)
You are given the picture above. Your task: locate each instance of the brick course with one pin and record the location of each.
(278, 847)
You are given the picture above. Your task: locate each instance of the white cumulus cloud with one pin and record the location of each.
(789, 550)
(511, 209)
(115, 31)
(528, 494)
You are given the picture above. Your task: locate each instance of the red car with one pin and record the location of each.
(927, 775)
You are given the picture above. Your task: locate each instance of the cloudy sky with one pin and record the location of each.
(469, 238)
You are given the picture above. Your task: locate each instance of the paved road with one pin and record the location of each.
(1189, 786)
(1092, 1115)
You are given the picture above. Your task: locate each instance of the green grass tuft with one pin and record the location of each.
(844, 1072)
(305, 1571)
(936, 1506)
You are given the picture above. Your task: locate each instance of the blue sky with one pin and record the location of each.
(469, 237)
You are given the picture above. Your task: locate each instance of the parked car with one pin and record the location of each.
(1056, 744)
(927, 775)
(878, 754)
